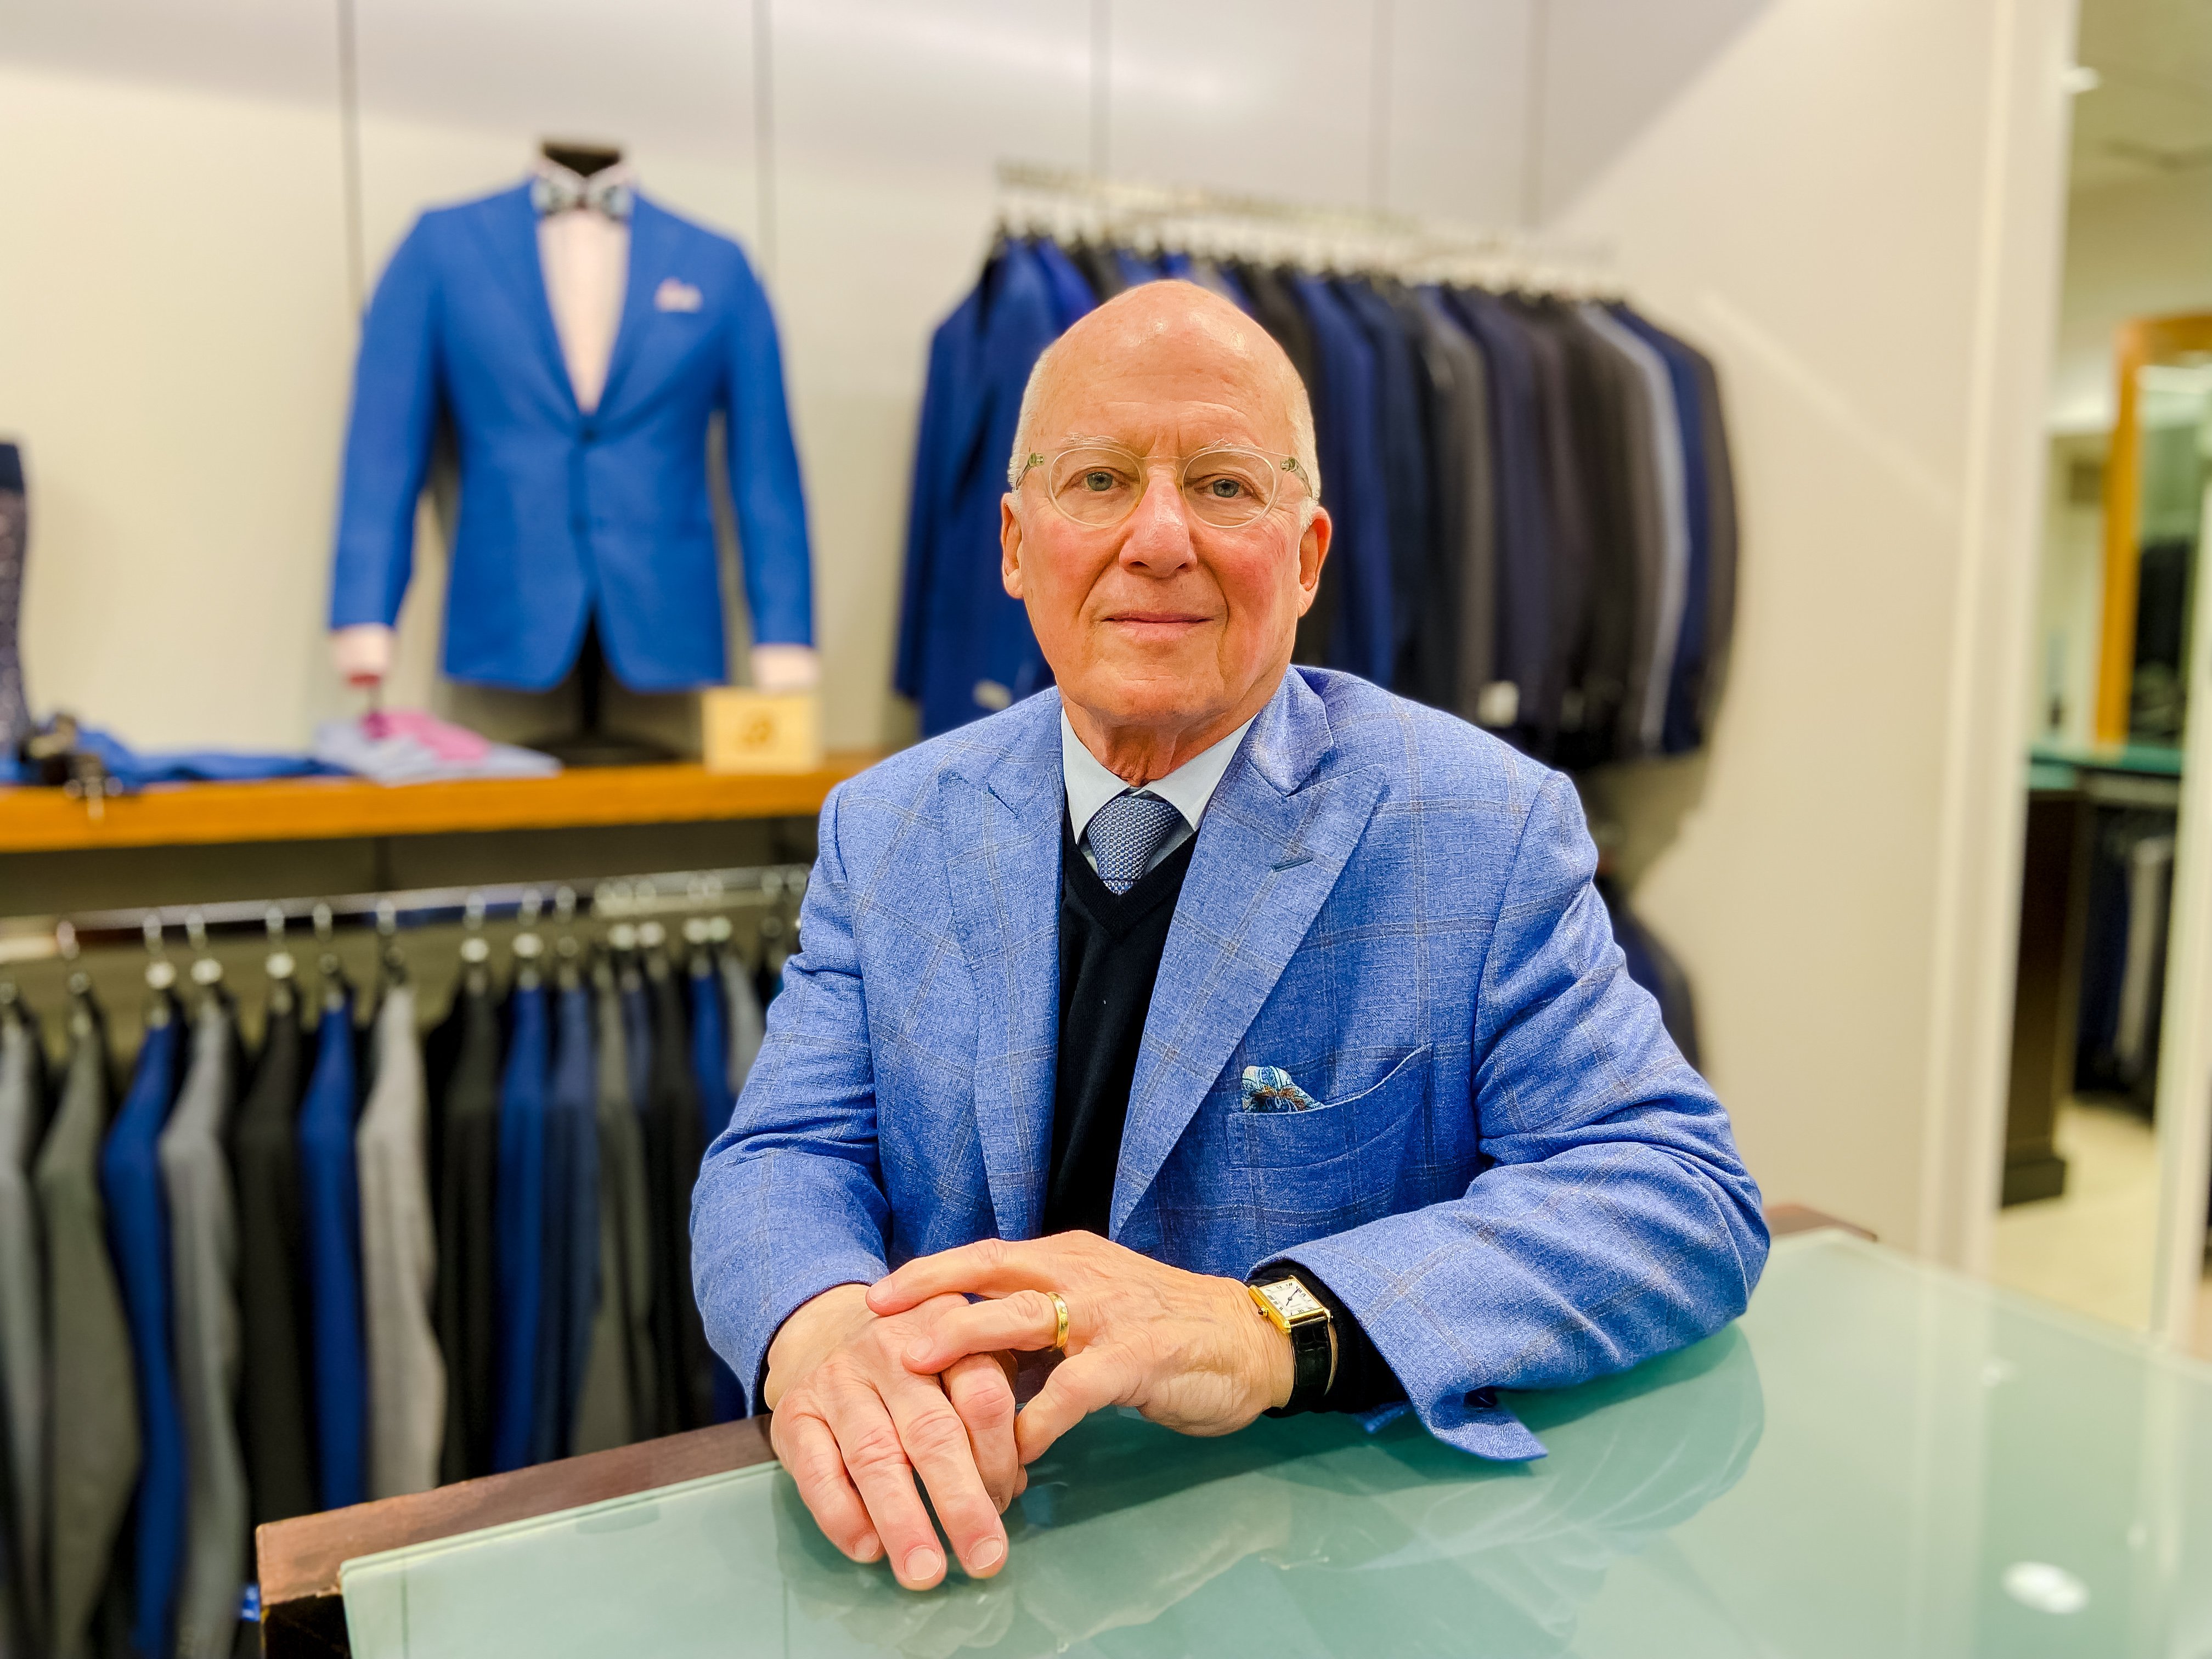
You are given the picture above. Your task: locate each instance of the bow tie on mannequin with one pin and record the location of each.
(556, 190)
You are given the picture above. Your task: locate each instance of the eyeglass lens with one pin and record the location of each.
(1100, 484)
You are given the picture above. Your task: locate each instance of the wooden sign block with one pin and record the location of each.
(747, 731)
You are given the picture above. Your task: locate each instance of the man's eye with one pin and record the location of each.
(1098, 482)
(1224, 489)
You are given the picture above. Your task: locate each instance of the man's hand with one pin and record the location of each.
(1187, 1350)
(853, 1424)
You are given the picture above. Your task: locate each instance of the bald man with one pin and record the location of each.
(1203, 1034)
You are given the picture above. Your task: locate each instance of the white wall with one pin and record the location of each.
(1855, 206)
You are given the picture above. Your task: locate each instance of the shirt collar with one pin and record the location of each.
(1187, 788)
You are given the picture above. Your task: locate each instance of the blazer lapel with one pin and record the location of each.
(653, 259)
(1002, 855)
(509, 234)
(1272, 842)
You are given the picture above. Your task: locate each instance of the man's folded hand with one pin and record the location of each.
(1190, 1351)
(854, 1424)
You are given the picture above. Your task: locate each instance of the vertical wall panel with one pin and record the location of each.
(1834, 206)
(1271, 96)
(1458, 84)
(890, 120)
(171, 305)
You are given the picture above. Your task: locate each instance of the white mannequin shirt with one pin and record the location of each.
(585, 257)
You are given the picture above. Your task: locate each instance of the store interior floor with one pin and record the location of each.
(2090, 1249)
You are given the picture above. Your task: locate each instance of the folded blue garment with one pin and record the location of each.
(134, 771)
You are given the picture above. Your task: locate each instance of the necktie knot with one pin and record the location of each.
(562, 192)
(1125, 833)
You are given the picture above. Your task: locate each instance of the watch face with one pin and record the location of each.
(1292, 1299)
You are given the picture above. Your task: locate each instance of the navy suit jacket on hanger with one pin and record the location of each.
(565, 515)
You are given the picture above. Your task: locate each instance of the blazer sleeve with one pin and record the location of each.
(764, 482)
(790, 1201)
(1612, 1220)
(396, 396)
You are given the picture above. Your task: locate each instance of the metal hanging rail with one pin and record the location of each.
(1057, 201)
(629, 899)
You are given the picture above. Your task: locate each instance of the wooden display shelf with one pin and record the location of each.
(329, 809)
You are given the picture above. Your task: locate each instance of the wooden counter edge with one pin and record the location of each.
(1783, 1219)
(299, 1559)
(34, 820)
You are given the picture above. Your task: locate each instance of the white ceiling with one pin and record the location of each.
(2152, 114)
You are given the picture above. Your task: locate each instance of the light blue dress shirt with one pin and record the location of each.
(1187, 788)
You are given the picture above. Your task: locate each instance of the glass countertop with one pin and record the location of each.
(1880, 1459)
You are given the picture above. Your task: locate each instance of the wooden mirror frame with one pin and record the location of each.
(2139, 344)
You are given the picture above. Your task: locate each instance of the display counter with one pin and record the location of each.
(1879, 1458)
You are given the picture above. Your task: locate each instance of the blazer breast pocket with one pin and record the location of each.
(1337, 1165)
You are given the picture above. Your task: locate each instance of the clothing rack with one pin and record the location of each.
(1036, 200)
(319, 1236)
(629, 899)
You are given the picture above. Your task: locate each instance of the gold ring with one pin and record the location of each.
(1059, 1322)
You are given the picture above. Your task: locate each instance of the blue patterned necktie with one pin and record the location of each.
(1125, 833)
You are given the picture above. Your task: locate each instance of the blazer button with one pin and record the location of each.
(590, 434)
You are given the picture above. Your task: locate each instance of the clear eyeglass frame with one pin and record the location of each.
(1099, 485)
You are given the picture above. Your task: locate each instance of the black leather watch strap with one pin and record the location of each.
(1313, 1352)
(1310, 1360)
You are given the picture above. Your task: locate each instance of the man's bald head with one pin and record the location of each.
(1179, 324)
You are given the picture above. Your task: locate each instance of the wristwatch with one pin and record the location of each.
(1297, 1312)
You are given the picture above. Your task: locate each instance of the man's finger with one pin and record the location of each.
(875, 1458)
(1081, 1385)
(806, 1448)
(936, 1443)
(1026, 1321)
(989, 1267)
(983, 1394)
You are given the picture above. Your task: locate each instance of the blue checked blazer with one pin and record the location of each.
(1513, 1179)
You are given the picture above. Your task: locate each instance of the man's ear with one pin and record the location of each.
(1010, 548)
(1313, 553)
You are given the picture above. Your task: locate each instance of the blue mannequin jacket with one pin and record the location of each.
(563, 516)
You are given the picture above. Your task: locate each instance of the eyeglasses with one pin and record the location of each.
(1099, 485)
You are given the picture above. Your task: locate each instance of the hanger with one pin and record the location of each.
(476, 951)
(527, 946)
(207, 972)
(337, 989)
(160, 977)
(567, 949)
(86, 1019)
(278, 964)
(391, 960)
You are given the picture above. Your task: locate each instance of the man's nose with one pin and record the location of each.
(1158, 539)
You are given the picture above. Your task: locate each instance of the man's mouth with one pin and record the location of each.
(1154, 624)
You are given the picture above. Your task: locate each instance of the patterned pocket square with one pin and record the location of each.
(1269, 1089)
